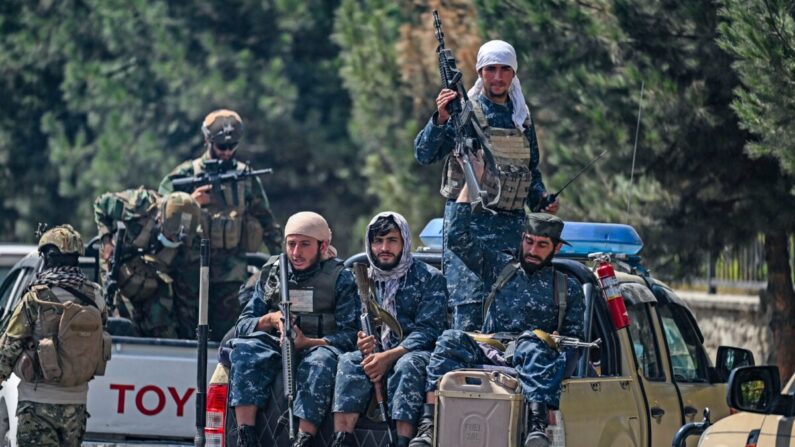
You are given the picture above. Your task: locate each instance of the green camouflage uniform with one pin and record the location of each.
(228, 266)
(162, 307)
(47, 414)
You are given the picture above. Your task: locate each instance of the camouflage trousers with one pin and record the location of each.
(539, 368)
(466, 291)
(152, 316)
(222, 311)
(257, 362)
(50, 425)
(405, 386)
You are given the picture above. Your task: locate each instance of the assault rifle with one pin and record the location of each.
(561, 341)
(288, 345)
(111, 282)
(363, 284)
(469, 136)
(214, 175)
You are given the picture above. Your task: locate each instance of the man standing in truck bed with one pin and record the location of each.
(327, 321)
(500, 107)
(415, 295)
(159, 237)
(522, 300)
(236, 217)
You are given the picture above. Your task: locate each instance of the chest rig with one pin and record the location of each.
(511, 151)
(224, 218)
(313, 299)
(140, 274)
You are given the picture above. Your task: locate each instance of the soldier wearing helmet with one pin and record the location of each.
(235, 216)
(153, 286)
(51, 408)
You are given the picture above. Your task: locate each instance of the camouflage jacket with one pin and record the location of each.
(346, 313)
(226, 265)
(421, 305)
(435, 142)
(526, 302)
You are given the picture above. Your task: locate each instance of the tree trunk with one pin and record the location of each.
(781, 298)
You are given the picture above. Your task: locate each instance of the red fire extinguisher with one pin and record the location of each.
(615, 302)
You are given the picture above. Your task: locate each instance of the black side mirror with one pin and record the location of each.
(730, 358)
(753, 388)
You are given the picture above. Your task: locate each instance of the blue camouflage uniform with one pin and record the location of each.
(256, 355)
(501, 231)
(421, 312)
(525, 303)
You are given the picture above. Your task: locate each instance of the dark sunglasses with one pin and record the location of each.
(226, 146)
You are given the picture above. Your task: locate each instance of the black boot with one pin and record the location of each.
(343, 439)
(302, 440)
(424, 437)
(537, 426)
(247, 436)
(403, 441)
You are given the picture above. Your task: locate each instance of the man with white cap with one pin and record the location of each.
(501, 110)
(326, 309)
(414, 295)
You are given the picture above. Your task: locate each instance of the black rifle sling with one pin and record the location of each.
(80, 296)
(560, 290)
(505, 275)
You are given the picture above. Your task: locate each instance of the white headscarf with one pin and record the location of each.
(387, 282)
(498, 52)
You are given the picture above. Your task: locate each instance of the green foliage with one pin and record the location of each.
(761, 35)
(111, 95)
(584, 63)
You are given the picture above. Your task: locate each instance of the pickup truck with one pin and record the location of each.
(637, 389)
(765, 412)
(147, 395)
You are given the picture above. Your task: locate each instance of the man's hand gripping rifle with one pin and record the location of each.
(215, 176)
(469, 136)
(363, 284)
(288, 344)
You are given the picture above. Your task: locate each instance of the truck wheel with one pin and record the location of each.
(5, 426)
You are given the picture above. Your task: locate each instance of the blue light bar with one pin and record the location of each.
(584, 237)
(589, 237)
(431, 236)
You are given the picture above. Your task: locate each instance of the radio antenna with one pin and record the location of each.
(635, 149)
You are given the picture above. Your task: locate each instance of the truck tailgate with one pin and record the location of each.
(148, 390)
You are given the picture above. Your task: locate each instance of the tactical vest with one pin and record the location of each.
(511, 151)
(70, 345)
(224, 220)
(313, 299)
(140, 275)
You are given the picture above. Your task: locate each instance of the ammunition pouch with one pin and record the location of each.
(138, 280)
(252, 234)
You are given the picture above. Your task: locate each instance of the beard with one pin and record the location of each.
(387, 265)
(530, 267)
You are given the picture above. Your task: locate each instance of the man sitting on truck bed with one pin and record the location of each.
(522, 301)
(327, 321)
(414, 294)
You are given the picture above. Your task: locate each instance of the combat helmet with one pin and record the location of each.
(179, 216)
(222, 126)
(63, 237)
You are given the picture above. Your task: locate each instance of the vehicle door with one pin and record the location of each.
(662, 397)
(11, 291)
(689, 361)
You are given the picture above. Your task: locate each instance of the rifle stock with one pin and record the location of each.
(363, 284)
(287, 345)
